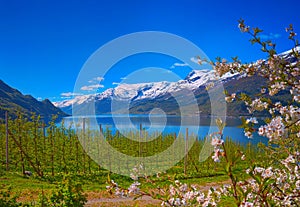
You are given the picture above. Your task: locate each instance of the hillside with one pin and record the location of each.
(14, 101)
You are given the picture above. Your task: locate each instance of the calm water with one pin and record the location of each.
(165, 125)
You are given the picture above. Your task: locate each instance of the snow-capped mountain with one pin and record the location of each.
(144, 97)
(147, 91)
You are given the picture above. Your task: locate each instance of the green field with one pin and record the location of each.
(53, 152)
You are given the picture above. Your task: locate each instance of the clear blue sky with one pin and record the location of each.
(44, 44)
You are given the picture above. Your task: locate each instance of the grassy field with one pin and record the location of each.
(28, 189)
(52, 152)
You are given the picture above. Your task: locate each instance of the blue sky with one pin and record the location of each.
(44, 44)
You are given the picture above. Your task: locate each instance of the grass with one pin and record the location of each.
(59, 151)
(29, 188)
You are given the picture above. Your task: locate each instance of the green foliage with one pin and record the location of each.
(6, 198)
(14, 102)
(43, 150)
(68, 194)
(53, 151)
(220, 124)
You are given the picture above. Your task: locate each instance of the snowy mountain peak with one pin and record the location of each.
(201, 76)
(76, 100)
(146, 91)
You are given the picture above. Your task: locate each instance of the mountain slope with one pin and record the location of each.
(144, 97)
(14, 101)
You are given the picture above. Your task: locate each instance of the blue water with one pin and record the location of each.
(165, 125)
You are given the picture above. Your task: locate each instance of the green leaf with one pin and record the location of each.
(227, 167)
(263, 49)
(253, 41)
(220, 124)
(272, 52)
(256, 30)
(225, 92)
(108, 178)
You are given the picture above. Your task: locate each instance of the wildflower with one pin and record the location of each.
(297, 184)
(158, 174)
(228, 99)
(194, 187)
(134, 188)
(183, 188)
(172, 190)
(243, 157)
(133, 176)
(249, 196)
(224, 189)
(247, 204)
(114, 183)
(135, 169)
(171, 201)
(189, 195)
(258, 170)
(251, 120)
(267, 173)
(120, 192)
(283, 110)
(243, 28)
(200, 198)
(164, 203)
(261, 131)
(258, 105)
(248, 134)
(288, 160)
(271, 111)
(274, 130)
(218, 153)
(217, 142)
(177, 202)
(286, 186)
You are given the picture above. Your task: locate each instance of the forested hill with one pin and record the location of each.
(14, 101)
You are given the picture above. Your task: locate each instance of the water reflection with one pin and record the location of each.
(166, 125)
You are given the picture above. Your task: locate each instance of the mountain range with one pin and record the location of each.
(141, 98)
(14, 102)
(188, 95)
(172, 97)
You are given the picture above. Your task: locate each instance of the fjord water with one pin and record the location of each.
(161, 124)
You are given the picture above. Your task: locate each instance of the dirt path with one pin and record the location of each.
(142, 201)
